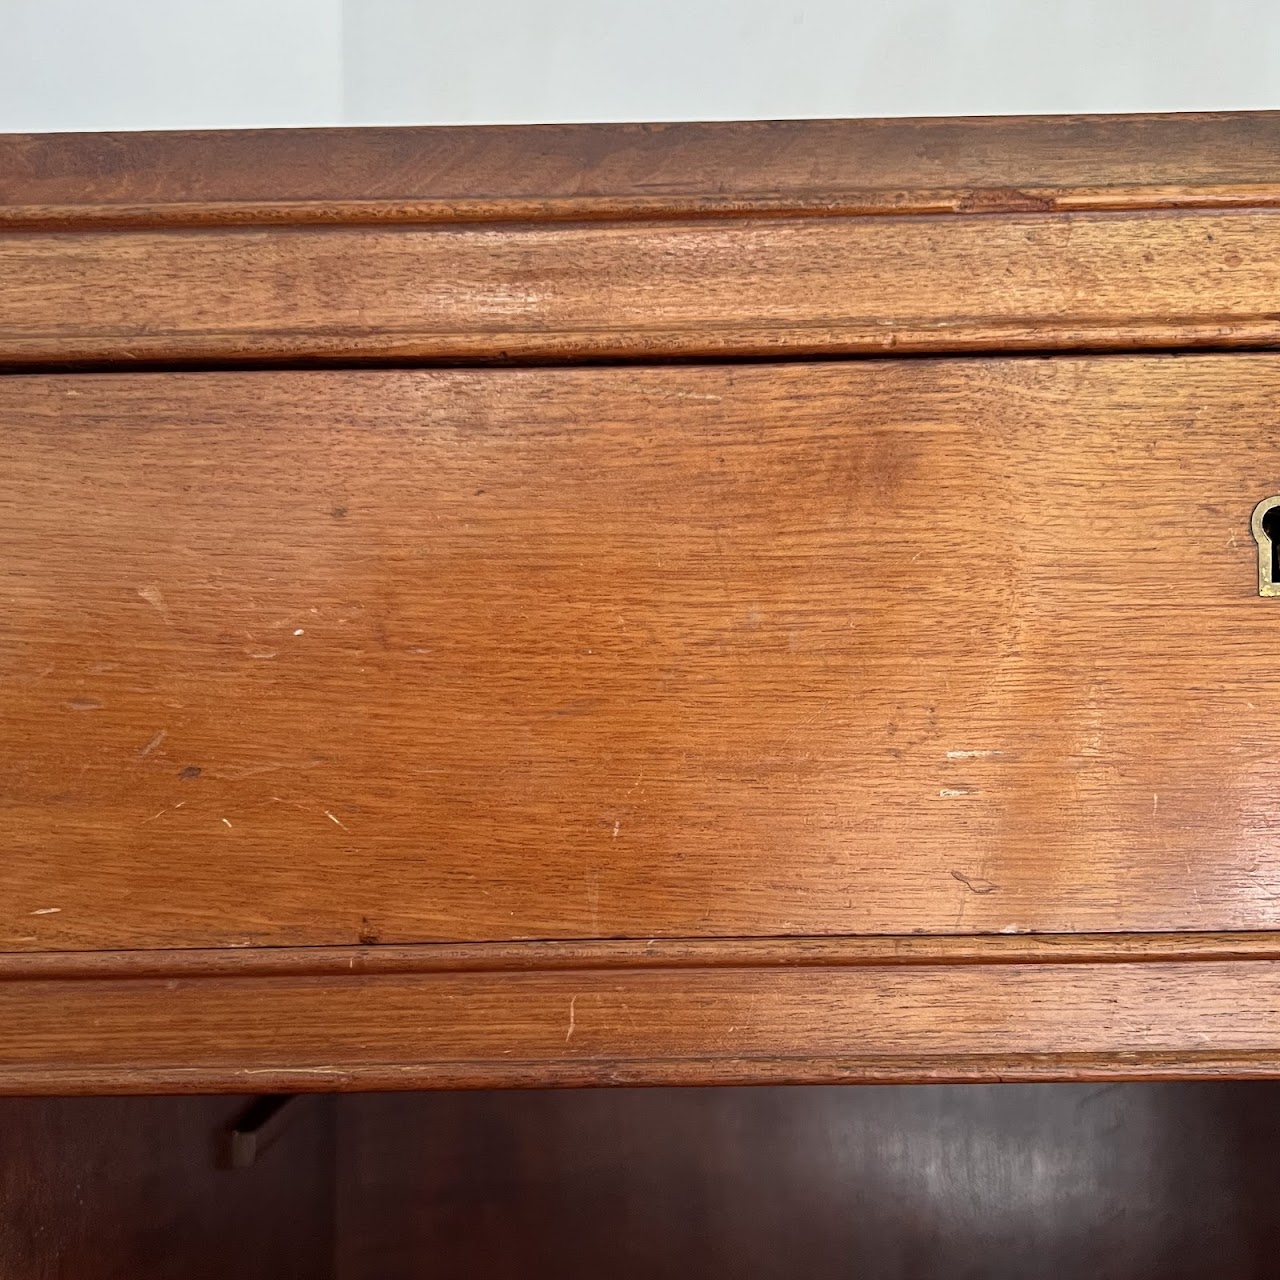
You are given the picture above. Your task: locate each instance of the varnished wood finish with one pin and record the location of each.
(104, 1189)
(794, 1009)
(651, 953)
(1000, 1182)
(893, 719)
(711, 1025)
(1064, 1182)
(614, 290)
(585, 171)
(936, 647)
(612, 242)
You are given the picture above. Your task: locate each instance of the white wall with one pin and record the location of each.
(527, 60)
(169, 64)
(127, 64)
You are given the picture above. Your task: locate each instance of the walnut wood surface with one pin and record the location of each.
(942, 647)
(996, 1182)
(295, 175)
(1149, 1181)
(627, 289)
(138, 1189)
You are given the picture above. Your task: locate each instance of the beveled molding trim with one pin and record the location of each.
(678, 1011)
(556, 243)
(710, 289)
(272, 177)
(627, 953)
(355, 213)
(564, 1073)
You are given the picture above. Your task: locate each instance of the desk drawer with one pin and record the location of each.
(915, 646)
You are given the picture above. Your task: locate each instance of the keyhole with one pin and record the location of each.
(1271, 527)
(1266, 532)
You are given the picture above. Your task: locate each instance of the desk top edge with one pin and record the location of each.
(571, 171)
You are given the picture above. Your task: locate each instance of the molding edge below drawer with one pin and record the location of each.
(671, 1012)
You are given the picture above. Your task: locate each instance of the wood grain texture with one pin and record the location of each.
(562, 243)
(643, 1026)
(651, 953)
(337, 175)
(995, 1182)
(652, 290)
(912, 647)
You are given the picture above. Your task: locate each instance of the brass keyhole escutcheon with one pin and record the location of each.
(1266, 533)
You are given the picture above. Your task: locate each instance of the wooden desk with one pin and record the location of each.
(655, 604)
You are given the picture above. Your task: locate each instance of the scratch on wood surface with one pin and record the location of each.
(237, 775)
(804, 724)
(1191, 879)
(333, 818)
(573, 1019)
(974, 884)
(973, 755)
(677, 393)
(143, 752)
(155, 598)
(294, 1071)
(593, 901)
(162, 812)
(46, 911)
(950, 793)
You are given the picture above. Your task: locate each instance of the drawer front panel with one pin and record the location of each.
(886, 647)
